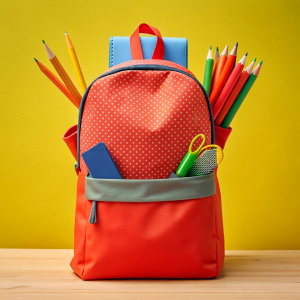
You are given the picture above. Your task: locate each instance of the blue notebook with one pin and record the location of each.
(100, 163)
(176, 49)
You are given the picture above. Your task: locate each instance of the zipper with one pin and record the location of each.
(141, 68)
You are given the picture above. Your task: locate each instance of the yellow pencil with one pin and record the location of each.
(75, 63)
(63, 74)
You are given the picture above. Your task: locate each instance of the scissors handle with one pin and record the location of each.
(190, 157)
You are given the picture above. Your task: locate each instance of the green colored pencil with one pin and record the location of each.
(208, 71)
(240, 98)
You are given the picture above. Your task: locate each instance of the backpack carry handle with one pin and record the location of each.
(135, 43)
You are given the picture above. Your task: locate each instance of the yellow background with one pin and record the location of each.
(260, 174)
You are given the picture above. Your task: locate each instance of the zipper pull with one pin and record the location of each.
(93, 214)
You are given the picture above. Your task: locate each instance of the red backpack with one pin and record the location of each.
(146, 225)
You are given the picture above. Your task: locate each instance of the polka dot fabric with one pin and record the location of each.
(147, 120)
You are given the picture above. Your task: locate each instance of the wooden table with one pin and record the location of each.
(45, 274)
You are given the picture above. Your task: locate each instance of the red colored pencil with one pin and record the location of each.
(57, 82)
(224, 76)
(235, 92)
(219, 65)
(232, 80)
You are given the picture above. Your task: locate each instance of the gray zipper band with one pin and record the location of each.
(149, 190)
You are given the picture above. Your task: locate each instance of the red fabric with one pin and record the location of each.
(222, 135)
(135, 43)
(147, 120)
(70, 138)
(165, 119)
(148, 240)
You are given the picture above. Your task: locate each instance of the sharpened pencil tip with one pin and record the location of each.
(217, 49)
(261, 62)
(246, 54)
(236, 44)
(210, 48)
(254, 60)
(66, 33)
(43, 41)
(35, 59)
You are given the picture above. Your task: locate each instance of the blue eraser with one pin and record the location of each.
(100, 163)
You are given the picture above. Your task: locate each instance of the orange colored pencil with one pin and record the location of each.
(215, 65)
(63, 74)
(229, 85)
(235, 92)
(220, 63)
(224, 75)
(57, 82)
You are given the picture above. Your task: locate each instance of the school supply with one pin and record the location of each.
(208, 159)
(57, 82)
(242, 95)
(136, 109)
(63, 74)
(235, 92)
(216, 62)
(229, 85)
(208, 71)
(217, 55)
(139, 108)
(175, 49)
(224, 75)
(190, 156)
(100, 163)
(76, 64)
(219, 65)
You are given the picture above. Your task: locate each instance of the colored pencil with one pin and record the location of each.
(219, 65)
(229, 85)
(63, 74)
(208, 71)
(242, 95)
(235, 92)
(217, 54)
(216, 62)
(57, 82)
(76, 64)
(224, 75)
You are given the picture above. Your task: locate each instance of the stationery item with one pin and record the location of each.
(63, 74)
(242, 95)
(224, 75)
(190, 157)
(57, 82)
(216, 62)
(219, 65)
(208, 159)
(75, 63)
(235, 92)
(175, 49)
(208, 71)
(100, 163)
(232, 80)
(217, 54)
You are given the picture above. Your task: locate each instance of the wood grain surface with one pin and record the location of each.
(46, 274)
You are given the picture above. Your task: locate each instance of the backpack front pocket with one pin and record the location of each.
(154, 228)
